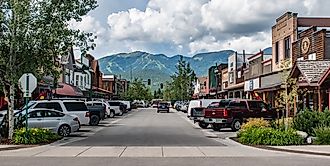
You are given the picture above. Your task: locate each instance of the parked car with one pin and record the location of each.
(58, 122)
(71, 107)
(96, 114)
(163, 106)
(139, 104)
(115, 105)
(236, 112)
(127, 103)
(199, 103)
(109, 112)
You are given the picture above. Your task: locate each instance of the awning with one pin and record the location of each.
(236, 86)
(68, 90)
(268, 88)
(101, 90)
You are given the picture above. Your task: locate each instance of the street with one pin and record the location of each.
(144, 137)
(148, 128)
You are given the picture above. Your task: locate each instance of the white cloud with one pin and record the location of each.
(192, 26)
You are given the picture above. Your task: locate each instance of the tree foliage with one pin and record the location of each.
(34, 33)
(181, 85)
(138, 91)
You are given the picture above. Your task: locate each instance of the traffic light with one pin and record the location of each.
(161, 85)
(149, 81)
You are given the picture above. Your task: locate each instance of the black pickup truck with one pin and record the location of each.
(96, 114)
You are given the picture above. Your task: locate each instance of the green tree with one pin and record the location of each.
(138, 91)
(181, 85)
(288, 96)
(32, 34)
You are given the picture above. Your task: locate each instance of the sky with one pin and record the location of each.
(188, 27)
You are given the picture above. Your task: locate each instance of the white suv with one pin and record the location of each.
(115, 105)
(71, 107)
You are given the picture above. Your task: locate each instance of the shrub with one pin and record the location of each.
(269, 136)
(322, 135)
(255, 123)
(307, 121)
(280, 123)
(34, 136)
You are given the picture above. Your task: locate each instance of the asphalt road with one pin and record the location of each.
(146, 127)
(227, 161)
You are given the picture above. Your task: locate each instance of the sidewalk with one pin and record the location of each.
(303, 149)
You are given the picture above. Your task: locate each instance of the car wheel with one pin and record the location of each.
(216, 127)
(64, 130)
(94, 120)
(236, 125)
(112, 114)
(121, 113)
(203, 125)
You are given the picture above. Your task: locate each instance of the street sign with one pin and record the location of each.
(27, 83)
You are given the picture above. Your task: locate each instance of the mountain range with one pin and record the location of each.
(159, 67)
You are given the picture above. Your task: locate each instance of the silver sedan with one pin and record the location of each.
(56, 121)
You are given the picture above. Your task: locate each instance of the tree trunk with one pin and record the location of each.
(11, 111)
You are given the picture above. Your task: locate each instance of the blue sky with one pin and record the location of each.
(188, 27)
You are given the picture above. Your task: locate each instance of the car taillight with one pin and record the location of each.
(87, 114)
(76, 119)
(225, 113)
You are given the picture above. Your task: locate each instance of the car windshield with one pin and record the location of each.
(29, 105)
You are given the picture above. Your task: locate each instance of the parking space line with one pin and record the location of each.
(83, 151)
(123, 151)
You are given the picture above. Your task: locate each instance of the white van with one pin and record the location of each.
(200, 103)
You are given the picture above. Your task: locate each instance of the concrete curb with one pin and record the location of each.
(264, 147)
(292, 151)
(18, 147)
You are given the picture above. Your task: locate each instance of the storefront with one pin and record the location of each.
(250, 86)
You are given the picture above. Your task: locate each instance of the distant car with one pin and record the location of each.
(109, 112)
(116, 106)
(58, 122)
(163, 106)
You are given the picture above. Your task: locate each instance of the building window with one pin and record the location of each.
(239, 74)
(231, 78)
(81, 81)
(312, 56)
(300, 58)
(77, 80)
(67, 76)
(287, 47)
(85, 81)
(276, 52)
(71, 77)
